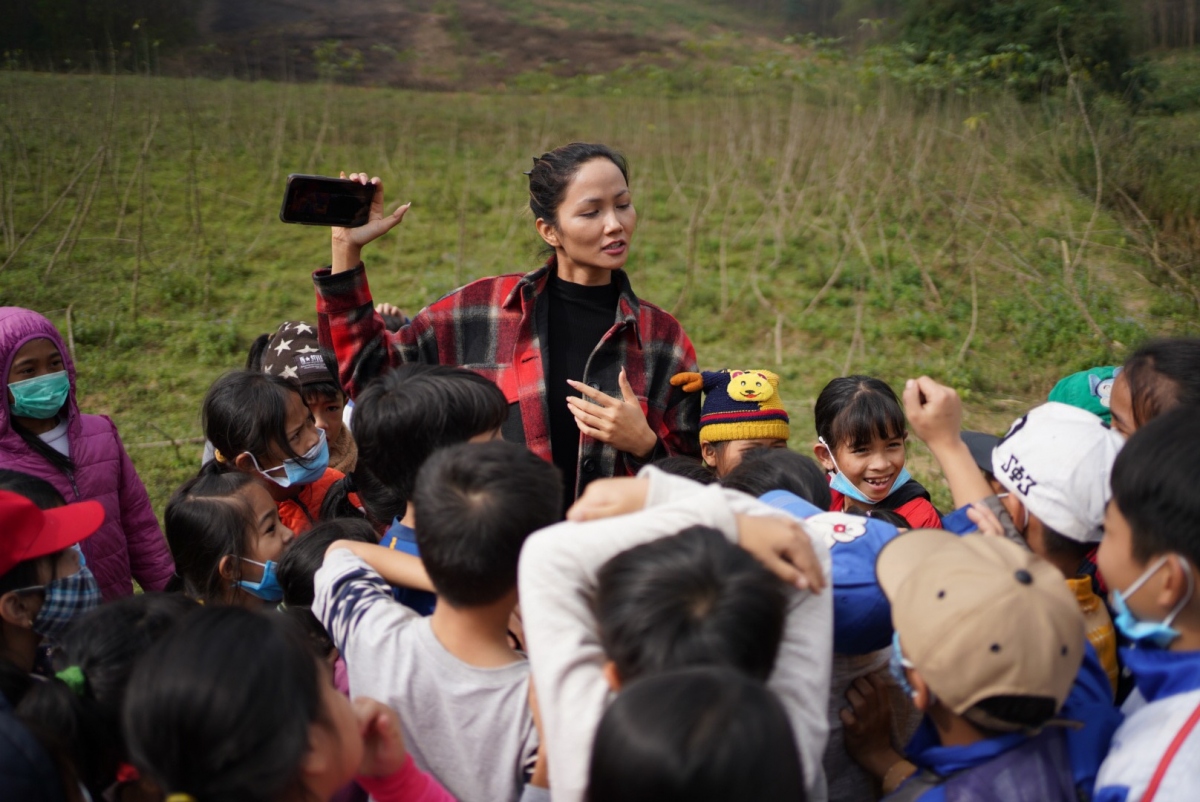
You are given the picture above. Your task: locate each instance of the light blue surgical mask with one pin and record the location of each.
(303, 471)
(41, 397)
(843, 485)
(268, 588)
(1149, 634)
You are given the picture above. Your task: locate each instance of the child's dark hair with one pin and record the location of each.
(1163, 374)
(553, 171)
(207, 519)
(1153, 485)
(82, 721)
(887, 516)
(765, 469)
(688, 468)
(476, 503)
(37, 490)
(246, 411)
(300, 563)
(690, 599)
(704, 734)
(854, 410)
(220, 707)
(400, 418)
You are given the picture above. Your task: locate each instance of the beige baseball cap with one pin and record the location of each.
(981, 617)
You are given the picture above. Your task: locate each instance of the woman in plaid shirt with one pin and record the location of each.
(584, 364)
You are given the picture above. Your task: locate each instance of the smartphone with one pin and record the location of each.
(315, 200)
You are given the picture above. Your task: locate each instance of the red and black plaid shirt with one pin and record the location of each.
(493, 327)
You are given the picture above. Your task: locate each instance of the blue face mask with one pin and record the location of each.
(268, 588)
(305, 470)
(847, 488)
(40, 397)
(897, 663)
(1149, 634)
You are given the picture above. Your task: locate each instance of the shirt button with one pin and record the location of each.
(589, 465)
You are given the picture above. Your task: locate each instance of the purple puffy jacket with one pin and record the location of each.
(129, 544)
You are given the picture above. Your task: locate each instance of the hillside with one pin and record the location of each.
(451, 44)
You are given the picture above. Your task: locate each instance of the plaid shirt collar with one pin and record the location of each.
(531, 284)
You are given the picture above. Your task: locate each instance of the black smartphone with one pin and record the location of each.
(315, 200)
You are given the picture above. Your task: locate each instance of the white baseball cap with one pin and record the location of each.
(1057, 460)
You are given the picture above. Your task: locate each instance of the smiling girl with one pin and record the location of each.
(584, 364)
(861, 443)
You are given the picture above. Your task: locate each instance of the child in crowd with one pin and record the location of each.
(687, 467)
(1158, 376)
(292, 352)
(44, 583)
(1150, 554)
(234, 705)
(43, 433)
(742, 412)
(225, 532)
(861, 437)
(1090, 390)
(988, 644)
(695, 735)
(461, 690)
(401, 418)
(79, 710)
(645, 578)
(763, 470)
(259, 425)
(1053, 466)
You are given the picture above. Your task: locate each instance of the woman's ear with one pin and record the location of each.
(547, 231)
(15, 609)
(821, 452)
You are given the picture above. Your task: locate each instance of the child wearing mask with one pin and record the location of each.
(43, 433)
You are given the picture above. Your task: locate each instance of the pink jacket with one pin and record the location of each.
(129, 544)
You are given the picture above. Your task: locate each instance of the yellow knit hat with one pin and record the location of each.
(738, 404)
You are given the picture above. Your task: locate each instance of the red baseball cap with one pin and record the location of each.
(27, 532)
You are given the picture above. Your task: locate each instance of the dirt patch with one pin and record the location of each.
(420, 45)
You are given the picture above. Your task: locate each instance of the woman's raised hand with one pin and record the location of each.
(348, 242)
(620, 422)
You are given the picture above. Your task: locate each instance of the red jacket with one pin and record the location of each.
(129, 544)
(495, 327)
(919, 512)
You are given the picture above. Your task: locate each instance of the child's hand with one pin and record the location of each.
(605, 498)
(934, 411)
(867, 725)
(980, 515)
(783, 546)
(348, 242)
(541, 769)
(383, 744)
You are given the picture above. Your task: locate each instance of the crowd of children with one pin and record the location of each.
(410, 593)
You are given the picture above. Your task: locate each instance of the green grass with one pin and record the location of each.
(814, 231)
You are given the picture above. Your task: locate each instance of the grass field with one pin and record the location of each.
(811, 230)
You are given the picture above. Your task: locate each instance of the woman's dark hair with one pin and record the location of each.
(1153, 485)
(220, 707)
(104, 645)
(246, 411)
(1163, 374)
(690, 599)
(688, 468)
(206, 520)
(553, 171)
(400, 418)
(765, 469)
(37, 490)
(704, 734)
(854, 410)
